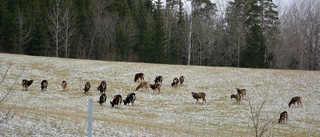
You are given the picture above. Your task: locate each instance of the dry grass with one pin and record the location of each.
(173, 112)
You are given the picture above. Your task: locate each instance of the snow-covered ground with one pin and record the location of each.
(173, 112)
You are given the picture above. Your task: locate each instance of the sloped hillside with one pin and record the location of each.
(172, 112)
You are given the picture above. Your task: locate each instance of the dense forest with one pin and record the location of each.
(248, 33)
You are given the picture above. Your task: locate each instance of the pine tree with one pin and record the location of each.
(159, 36)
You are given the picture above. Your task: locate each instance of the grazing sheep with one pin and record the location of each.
(181, 79)
(130, 99)
(102, 87)
(199, 95)
(155, 87)
(64, 85)
(102, 99)
(175, 82)
(143, 84)
(86, 87)
(237, 97)
(158, 80)
(283, 117)
(242, 92)
(139, 77)
(44, 84)
(295, 100)
(117, 100)
(26, 84)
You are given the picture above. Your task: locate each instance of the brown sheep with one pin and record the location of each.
(283, 117)
(295, 100)
(143, 85)
(199, 95)
(139, 77)
(26, 84)
(242, 92)
(175, 82)
(44, 85)
(64, 85)
(181, 79)
(155, 87)
(237, 97)
(86, 87)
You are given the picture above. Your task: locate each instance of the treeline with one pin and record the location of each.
(249, 33)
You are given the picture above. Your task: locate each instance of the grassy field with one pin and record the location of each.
(172, 112)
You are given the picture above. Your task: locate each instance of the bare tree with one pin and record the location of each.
(69, 25)
(102, 32)
(55, 24)
(300, 36)
(23, 35)
(257, 122)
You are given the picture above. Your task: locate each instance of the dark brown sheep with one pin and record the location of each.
(44, 85)
(64, 85)
(199, 95)
(181, 79)
(237, 97)
(295, 100)
(102, 99)
(86, 87)
(130, 99)
(139, 77)
(283, 117)
(158, 80)
(175, 82)
(26, 84)
(102, 87)
(117, 100)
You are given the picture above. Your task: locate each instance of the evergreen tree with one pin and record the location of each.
(39, 45)
(159, 36)
(253, 55)
(256, 14)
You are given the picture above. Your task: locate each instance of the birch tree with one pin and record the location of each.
(69, 25)
(54, 22)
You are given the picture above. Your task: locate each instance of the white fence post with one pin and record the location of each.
(90, 118)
